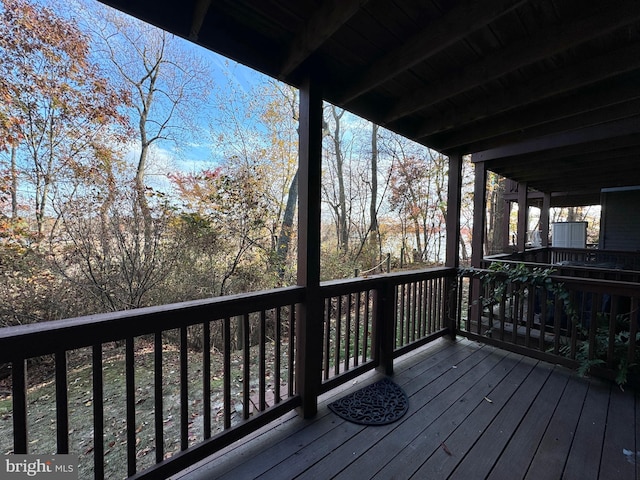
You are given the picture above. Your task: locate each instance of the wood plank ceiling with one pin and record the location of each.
(544, 91)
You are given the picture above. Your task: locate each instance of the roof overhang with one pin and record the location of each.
(544, 91)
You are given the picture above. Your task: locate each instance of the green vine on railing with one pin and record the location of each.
(621, 342)
(513, 279)
(500, 275)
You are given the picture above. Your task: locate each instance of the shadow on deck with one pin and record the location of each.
(475, 412)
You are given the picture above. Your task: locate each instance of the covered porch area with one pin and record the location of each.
(528, 84)
(475, 411)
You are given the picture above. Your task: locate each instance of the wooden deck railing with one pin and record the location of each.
(613, 259)
(172, 401)
(573, 257)
(599, 272)
(579, 322)
(370, 321)
(170, 385)
(248, 335)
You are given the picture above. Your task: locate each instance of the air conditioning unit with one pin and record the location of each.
(569, 235)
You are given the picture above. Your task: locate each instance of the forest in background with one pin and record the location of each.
(107, 202)
(135, 171)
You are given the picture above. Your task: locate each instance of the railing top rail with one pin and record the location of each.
(351, 285)
(603, 251)
(560, 266)
(596, 285)
(25, 341)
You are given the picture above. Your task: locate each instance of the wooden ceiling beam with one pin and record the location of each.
(570, 113)
(573, 173)
(555, 83)
(587, 181)
(467, 16)
(330, 16)
(200, 10)
(545, 44)
(540, 166)
(628, 127)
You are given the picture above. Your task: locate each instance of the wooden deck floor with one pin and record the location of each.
(475, 412)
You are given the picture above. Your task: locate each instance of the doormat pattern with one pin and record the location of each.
(380, 403)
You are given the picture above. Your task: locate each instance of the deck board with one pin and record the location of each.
(475, 412)
(517, 455)
(552, 453)
(584, 458)
(441, 464)
(619, 436)
(488, 448)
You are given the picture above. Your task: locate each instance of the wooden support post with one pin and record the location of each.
(19, 393)
(523, 210)
(479, 214)
(383, 325)
(479, 227)
(454, 202)
(309, 318)
(544, 219)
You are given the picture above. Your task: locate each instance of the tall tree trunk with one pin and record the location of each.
(145, 145)
(284, 239)
(374, 229)
(416, 226)
(497, 216)
(343, 235)
(14, 185)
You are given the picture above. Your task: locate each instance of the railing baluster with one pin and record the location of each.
(557, 324)
(184, 389)
(98, 412)
(612, 329)
(459, 305)
(593, 325)
(226, 376)
(573, 323)
(435, 322)
(347, 340)
(503, 312)
(408, 313)
(246, 370)
(414, 310)
(206, 378)
(62, 403)
(441, 302)
(292, 345)
(338, 335)
(427, 327)
(278, 359)
(429, 324)
(422, 330)
(327, 338)
(633, 330)
(367, 320)
(530, 306)
(634, 318)
(515, 318)
(19, 395)
(262, 365)
(543, 318)
(400, 316)
(157, 396)
(131, 405)
(356, 340)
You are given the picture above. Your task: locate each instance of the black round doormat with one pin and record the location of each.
(380, 403)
